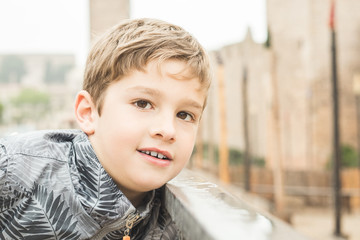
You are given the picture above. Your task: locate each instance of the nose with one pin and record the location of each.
(164, 128)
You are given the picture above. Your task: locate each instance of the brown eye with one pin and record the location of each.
(143, 104)
(185, 116)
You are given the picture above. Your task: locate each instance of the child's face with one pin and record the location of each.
(144, 114)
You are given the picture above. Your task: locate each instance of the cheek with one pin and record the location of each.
(119, 132)
(124, 120)
(187, 146)
(126, 132)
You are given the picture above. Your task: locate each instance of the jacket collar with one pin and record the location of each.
(97, 192)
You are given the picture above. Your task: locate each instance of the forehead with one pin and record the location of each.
(170, 79)
(175, 69)
(155, 80)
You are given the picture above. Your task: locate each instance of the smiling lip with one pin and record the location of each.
(154, 160)
(164, 153)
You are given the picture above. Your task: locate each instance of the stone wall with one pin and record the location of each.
(298, 61)
(105, 14)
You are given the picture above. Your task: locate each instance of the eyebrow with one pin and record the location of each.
(155, 92)
(194, 104)
(149, 91)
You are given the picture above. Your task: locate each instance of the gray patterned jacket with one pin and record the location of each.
(52, 186)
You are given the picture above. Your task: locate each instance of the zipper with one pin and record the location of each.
(131, 220)
(129, 225)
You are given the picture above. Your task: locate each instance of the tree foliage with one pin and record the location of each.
(30, 96)
(30, 104)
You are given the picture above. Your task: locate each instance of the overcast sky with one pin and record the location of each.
(61, 26)
(214, 22)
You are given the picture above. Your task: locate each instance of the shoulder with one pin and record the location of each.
(45, 143)
(32, 158)
(164, 228)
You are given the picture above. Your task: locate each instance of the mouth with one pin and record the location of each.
(162, 155)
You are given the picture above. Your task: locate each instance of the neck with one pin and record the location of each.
(136, 198)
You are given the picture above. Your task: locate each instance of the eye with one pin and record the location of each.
(185, 116)
(143, 104)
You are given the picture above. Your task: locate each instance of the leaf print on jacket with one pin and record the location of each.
(52, 186)
(97, 191)
(42, 216)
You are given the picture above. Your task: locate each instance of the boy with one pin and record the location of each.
(144, 91)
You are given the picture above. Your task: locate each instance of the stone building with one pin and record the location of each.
(289, 84)
(55, 75)
(105, 14)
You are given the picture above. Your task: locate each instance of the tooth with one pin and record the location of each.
(147, 152)
(154, 154)
(160, 156)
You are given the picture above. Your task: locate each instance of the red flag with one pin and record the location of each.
(332, 15)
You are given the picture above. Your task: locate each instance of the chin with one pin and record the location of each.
(146, 186)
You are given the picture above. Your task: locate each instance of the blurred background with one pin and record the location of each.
(282, 120)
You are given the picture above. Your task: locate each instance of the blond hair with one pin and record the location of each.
(131, 44)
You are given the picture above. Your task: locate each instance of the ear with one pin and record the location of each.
(85, 112)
